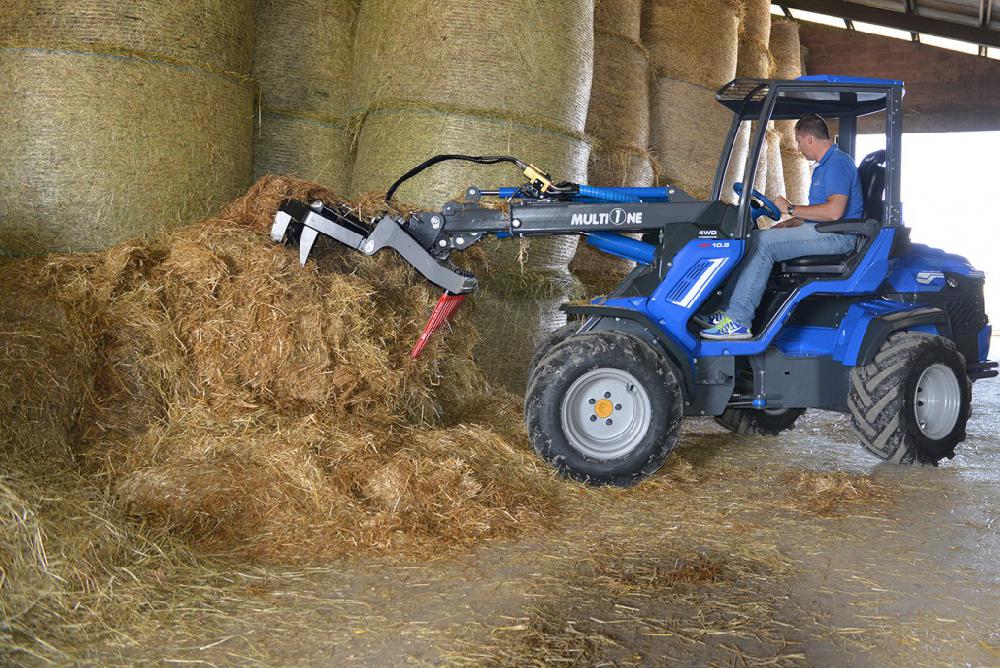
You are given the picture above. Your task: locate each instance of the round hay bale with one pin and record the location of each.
(794, 165)
(786, 49)
(754, 60)
(527, 305)
(394, 140)
(620, 166)
(687, 131)
(82, 169)
(693, 41)
(310, 80)
(610, 166)
(478, 54)
(207, 35)
(621, 17)
(619, 120)
(755, 23)
(311, 149)
(120, 118)
(737, 162)
(734, 173)
(304, 91)
(619, 100)
(775, 184)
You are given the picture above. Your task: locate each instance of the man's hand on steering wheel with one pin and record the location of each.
(760, 205)
(782, 204)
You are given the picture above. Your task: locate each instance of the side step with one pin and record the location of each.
(981, 370)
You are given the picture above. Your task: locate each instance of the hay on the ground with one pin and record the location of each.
(202, 389)
(831, 493)
(241, 400)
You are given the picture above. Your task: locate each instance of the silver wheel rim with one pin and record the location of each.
(605, 413)
(937, 401)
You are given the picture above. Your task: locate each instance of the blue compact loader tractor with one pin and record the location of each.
(892, 334)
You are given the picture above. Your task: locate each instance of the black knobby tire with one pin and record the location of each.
(760, 422)
(884, 397)
(551, 341)
(565, 368)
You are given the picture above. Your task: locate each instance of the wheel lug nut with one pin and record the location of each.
(607, 395)
(593, 401)
(608, 421)
(593, 418)
(618, 407)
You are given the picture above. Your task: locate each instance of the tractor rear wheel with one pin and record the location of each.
(604, 408)
(766, 422)
(911, 403)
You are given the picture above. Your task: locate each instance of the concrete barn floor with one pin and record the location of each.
(795, 550)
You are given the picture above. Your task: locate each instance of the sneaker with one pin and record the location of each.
(727, 329)
(712, 320)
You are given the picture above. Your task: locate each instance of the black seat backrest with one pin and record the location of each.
(871, 173)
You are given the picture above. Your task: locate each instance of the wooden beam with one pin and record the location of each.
(914, 23)
(910, 7)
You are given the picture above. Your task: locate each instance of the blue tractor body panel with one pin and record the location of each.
(923, 269)
(703, 265)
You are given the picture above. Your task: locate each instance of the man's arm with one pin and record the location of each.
(832, 209)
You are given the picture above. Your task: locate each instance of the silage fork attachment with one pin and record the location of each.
(301, 222)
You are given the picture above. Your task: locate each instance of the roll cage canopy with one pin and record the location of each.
(839, 98)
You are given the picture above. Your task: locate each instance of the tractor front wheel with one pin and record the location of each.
(604, 408)
(911, 403)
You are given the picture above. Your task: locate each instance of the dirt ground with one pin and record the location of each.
(794, 550)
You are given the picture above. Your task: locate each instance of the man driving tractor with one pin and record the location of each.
(835, 193)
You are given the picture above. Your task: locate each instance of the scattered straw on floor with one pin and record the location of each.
(833, 492)
(205, 388)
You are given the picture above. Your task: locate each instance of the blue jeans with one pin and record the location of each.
(769, 246)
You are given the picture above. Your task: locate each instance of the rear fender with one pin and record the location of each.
(868, 324)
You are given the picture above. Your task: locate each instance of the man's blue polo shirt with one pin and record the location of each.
(835, 174)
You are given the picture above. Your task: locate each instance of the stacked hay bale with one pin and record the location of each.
(119, 118)
(618, 121)
(788, 65)
(754, 61)
(304, 89)
(775, 179)
(432, 77)
(693, 49)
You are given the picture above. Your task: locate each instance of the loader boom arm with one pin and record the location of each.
(426, 239)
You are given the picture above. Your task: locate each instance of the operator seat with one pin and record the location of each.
(871, 173)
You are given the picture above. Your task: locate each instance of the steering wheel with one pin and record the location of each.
(759, 205)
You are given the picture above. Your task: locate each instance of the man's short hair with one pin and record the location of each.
(813, 124)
